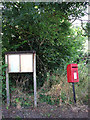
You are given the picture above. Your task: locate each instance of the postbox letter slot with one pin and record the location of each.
(74, 67)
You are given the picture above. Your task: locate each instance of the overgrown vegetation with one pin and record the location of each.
(47, 29)
(61, 92)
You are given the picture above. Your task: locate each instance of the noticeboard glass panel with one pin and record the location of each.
(13, 63)
(27, 63)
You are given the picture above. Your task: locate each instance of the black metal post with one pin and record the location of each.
(74, 93)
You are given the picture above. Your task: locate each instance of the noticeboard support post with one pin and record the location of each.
(34, 76)
(7, 88)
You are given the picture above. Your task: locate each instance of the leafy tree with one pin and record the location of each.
(46, 28)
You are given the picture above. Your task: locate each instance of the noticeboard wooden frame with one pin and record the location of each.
(16, 64)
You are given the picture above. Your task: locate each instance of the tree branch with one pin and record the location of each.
(42, 63)
(42, 42)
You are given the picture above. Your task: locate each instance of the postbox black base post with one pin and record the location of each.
(74, 93)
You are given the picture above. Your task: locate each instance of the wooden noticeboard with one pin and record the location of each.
(21, 62)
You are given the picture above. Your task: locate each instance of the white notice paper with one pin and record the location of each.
(75, 75)
(13, 63)
(27, 63)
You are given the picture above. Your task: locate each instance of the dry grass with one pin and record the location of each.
(63, 90)
(60, 90)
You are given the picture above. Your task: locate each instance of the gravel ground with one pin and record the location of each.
(46, 111)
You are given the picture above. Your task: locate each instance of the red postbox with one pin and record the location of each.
(72, 73)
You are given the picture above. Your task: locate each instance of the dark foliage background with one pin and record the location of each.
(47, 29)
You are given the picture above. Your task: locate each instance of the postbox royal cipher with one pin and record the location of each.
(72, 73)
